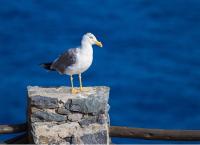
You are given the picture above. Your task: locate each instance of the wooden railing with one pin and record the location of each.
(115, 131)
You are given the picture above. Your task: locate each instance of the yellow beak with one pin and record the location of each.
(98, 43)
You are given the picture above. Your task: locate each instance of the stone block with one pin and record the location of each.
(44, 102)
(75, 117)
(63, 111)
(56, 116)
(48, 116)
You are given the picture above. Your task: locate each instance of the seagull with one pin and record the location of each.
(75, 60)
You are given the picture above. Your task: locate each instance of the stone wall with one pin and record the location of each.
(58, 117)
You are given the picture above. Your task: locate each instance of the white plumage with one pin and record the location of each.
(75, 60)
(84, 58)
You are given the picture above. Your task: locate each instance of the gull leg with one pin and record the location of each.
(80, 81)
(73, 91)
(81, 85)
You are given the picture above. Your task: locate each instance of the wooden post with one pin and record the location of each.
(55, 116)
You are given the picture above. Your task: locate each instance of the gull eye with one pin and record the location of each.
(90, 37)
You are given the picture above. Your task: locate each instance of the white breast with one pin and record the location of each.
(84, 60)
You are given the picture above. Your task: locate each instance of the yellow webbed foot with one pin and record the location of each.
(84, 89)
(74, 91)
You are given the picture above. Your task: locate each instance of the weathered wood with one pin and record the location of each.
(56, 116)
(123, 132)
(155, 134)
(6, 129)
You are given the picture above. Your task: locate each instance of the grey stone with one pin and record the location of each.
(44, 102)
(35, 119)
(73, 140)
(63, 111)
(76, 140)
(68, 139)
(97, 138)
(91, 104)
(76, 108)
(48, 116)
(68, 103)
(87, 121)
(75, 117)
(101, 119)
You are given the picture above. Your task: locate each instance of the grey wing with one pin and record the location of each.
(65, 60)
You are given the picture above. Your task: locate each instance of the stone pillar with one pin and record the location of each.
(55, 116)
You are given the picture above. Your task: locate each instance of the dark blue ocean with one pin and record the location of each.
(150, 58)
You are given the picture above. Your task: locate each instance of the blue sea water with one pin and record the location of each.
(150, 58)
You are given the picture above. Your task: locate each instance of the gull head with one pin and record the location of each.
(91, 39)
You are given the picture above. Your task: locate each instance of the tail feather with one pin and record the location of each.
(47, 66)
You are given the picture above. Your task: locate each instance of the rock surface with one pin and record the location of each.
(96, 138)
(86, 121)
(91, 104)
(58, 117)
(48, 116)
(44, 102)
(63, 111)
(75, 117)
